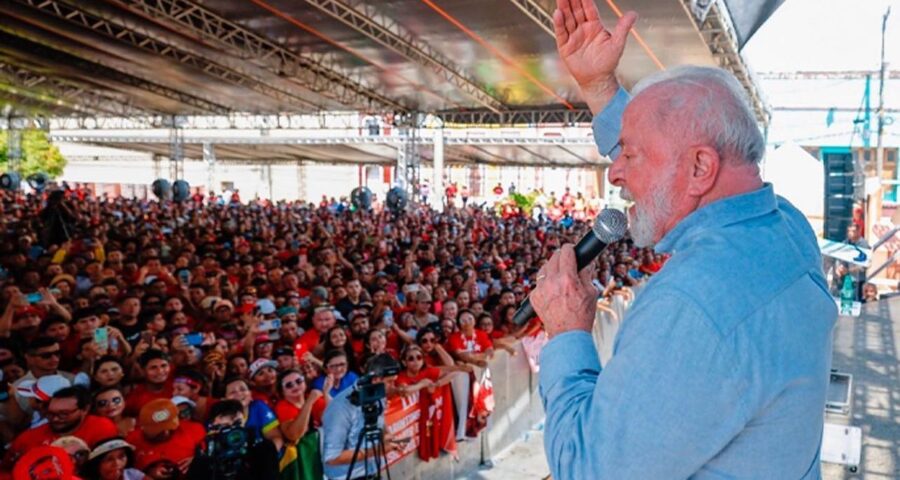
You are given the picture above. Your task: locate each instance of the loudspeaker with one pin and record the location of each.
(361, 198)
(181, 190)
(10, 181)
(397, 199)
(161, 188)
(38, 181)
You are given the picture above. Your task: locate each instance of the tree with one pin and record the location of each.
(38, 154)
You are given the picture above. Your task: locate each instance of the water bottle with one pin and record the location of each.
(847, 295)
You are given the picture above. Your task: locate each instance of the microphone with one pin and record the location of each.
(609, 227)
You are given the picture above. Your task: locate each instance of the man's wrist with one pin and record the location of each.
(598, 93)
(556, 333)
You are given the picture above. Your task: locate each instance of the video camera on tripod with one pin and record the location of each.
(368, 395)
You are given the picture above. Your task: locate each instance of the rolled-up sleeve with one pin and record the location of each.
(646, 413)
(607, 124)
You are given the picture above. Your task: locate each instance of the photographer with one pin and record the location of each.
(346, 417)
(59, 218)
(232, 451)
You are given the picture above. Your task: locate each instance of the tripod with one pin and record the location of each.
(371, 434)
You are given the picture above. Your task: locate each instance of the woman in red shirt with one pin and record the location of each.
(436, 428)
(295, 407)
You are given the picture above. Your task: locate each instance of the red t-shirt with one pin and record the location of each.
(286, 411)
(140, 396)
(92, 430)
(307, 342)
(432, 359)
(194, 430)
(179, 446)
(478, 343)
(430, 373)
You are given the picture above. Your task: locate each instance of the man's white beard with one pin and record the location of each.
(645, 222)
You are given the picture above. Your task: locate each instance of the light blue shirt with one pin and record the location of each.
(721, 365)
(341, 424)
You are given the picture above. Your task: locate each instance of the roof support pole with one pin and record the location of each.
(437, 176)
(209, 157)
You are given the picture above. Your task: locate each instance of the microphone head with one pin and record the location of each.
(610, 225)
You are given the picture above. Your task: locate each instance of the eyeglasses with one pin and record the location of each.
(413, 358)
(338, 365)
(63, 414)
(111, 401)
(48, 355)
(428, 340)
(293, 383)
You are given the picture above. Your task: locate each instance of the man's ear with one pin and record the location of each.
(703, 166)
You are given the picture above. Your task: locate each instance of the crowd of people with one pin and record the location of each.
(511, 202)
(136, 334)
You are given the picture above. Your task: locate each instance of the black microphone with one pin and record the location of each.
(609, 227)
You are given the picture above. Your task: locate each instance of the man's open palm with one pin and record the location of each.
(590, 51)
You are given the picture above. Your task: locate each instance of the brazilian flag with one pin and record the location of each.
(302, 461)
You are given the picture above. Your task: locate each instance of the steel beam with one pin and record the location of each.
(366, 19)
(535, 11)
(315, 71)
(719, 34)
(223, 139)
(36, 50)
(826, 75)
(77, 97)
(517, 117)
(96, 18)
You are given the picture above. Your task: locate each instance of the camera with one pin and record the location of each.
(368, 395)
(228, 447)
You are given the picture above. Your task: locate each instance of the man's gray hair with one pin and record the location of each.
(716, 106)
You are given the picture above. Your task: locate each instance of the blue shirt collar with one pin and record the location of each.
(720, 213)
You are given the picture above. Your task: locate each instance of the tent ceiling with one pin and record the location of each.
(196, 57)
(151, 55)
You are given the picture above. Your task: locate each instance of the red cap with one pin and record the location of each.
(47, 461)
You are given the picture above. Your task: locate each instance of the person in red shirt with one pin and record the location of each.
(67, 415)
(156, 385)
(322, 321)
(295, 407)
(160, 436)
(436, 419)
(470, 344)
(499, 340)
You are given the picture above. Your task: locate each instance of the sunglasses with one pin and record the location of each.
(111, 401)
(413, 358)
(49, 355)
(428, 340)
(293, 383)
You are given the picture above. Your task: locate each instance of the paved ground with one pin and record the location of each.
(524, 460)
(867, 347)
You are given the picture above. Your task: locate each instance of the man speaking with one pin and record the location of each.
(721, 365)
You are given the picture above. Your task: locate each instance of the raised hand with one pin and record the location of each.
(590, 52)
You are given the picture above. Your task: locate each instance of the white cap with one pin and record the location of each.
(42, 388)
(179, 399)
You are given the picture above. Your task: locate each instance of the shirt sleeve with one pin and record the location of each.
(455, 343)
(483, 340)
(653, 400)
(607, 124)
(265, 418)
